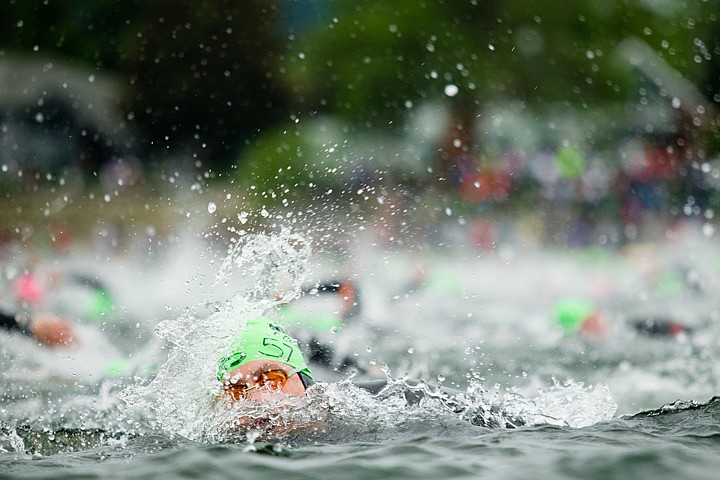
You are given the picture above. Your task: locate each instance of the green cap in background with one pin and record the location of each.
(570, 313)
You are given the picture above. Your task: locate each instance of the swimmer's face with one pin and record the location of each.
(259, 380)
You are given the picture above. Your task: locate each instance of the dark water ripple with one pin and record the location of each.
(625, 448)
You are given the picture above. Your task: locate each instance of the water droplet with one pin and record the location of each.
(212, 207)
(708, 230)
(451, 90)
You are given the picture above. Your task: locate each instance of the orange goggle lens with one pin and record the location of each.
(272, 379)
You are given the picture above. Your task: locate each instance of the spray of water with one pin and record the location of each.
(571, 404)
(273, 267)
(183, 392)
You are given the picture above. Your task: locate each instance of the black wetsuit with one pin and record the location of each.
(324, 355)
(659, 326)
(9, 322)
(321, 353)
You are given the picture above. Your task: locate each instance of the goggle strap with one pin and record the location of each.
(305, 379)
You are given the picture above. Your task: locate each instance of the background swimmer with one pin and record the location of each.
(46, 328)
(581, 316)
(329, 308)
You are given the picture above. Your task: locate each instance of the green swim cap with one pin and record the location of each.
(117, 368)
(99, 306)
(570, 313)
(263, 339)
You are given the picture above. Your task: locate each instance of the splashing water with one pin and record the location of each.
(339, 429)
(338, 412)
(571, 404)
(273, 266)
(183, 392)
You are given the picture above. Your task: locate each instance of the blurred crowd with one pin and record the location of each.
(574, 195)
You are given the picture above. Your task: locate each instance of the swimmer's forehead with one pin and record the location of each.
(256, 367)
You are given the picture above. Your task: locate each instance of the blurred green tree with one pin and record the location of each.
(373, 61)
(207, 76)
(83, 32)
(203, 74)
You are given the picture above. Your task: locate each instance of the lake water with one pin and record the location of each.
(134, 399)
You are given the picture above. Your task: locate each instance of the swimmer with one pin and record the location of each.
(47, 329)
(659, 326)
(265, 363)
(579, 315)
(263, 360)
(313, 327)
(58, 291)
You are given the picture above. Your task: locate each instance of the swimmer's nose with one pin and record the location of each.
(262, 395)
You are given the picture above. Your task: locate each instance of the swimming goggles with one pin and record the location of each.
(272, 379)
